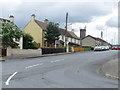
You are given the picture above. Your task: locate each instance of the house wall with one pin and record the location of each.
(69, 39)
(88, 41)
(77, 41)
(105, 44)
(101, 43)
(73, 40)
(62, 37)
(98, 43)
(35, 31)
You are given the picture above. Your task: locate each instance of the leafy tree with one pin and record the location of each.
(52, 33)
(8, 32)
(28, 42)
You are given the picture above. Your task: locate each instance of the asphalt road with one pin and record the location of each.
(77, 70)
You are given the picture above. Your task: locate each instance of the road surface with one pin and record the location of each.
(77, 70)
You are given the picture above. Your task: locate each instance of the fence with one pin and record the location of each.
(53, 50)
(78, 49)
(87, 49)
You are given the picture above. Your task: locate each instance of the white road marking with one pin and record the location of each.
(108, 75)
(7, 82)
(56, 60)
(34, 65)
(52, 61)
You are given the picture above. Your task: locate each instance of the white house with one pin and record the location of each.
(71, 38)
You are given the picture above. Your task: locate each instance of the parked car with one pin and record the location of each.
(107, 48)
(101, 48)
(116, 47)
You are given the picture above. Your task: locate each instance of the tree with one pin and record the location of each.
(8, 32)
(28, 42)
(52, 33)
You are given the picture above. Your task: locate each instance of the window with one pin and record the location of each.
(62, 37)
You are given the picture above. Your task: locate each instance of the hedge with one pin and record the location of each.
(52, 50)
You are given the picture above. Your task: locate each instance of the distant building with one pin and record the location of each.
(82, 33)
(93, 41)
(90, 40)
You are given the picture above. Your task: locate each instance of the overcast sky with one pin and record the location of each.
(96, 15)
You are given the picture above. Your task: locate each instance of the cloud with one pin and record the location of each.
(82, 12)
(112, 22)
(100, 27)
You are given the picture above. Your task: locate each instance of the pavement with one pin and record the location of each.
(30, 56)
(2, 59)
(110, 69)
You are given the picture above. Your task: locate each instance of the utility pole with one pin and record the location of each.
(66, 43)
(66, 28)
(102, 37)
(114, 38)
(101, 34)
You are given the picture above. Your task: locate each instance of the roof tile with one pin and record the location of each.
(62, 31)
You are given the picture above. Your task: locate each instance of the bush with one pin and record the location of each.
(28, 42)
(87, 46)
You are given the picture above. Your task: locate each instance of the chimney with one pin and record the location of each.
(57, 24)
(33, 17)
(72, 30)
(46, 21)
(11, 18)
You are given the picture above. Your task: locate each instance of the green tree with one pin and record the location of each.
(52, 33)
(28, 42)
(8, 32)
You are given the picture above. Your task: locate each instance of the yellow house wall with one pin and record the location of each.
(35, 31)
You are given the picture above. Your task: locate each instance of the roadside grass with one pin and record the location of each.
(2, 56)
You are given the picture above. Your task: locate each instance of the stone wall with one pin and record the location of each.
(24, 52)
